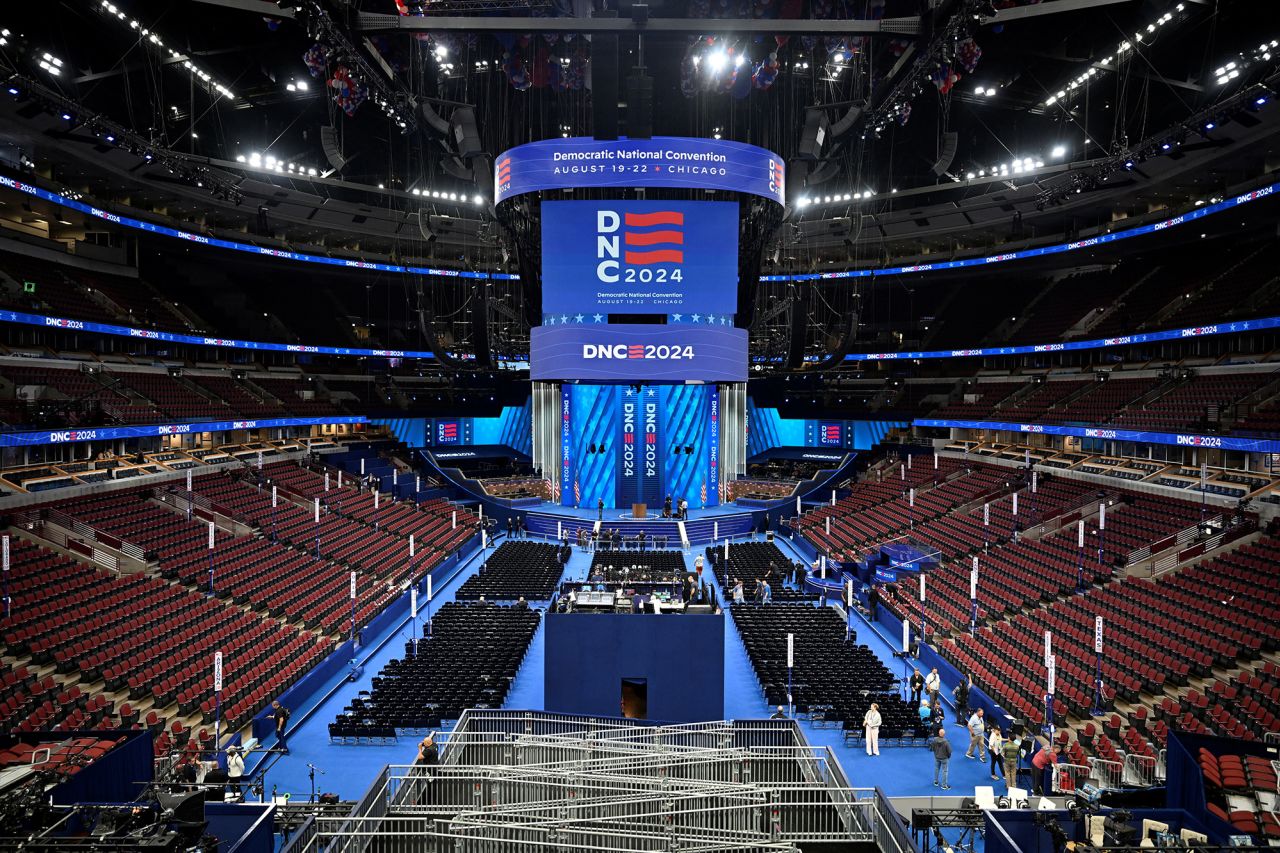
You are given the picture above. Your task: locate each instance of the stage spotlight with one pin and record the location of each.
(688, 448)
(592, 448)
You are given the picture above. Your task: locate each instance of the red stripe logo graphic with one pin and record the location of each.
(504, 170)
(652, 238)
(670, 235)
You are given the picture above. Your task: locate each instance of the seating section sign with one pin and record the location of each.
(639, 257)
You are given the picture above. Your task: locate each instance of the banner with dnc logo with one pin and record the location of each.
(663, 161)
(639, 257)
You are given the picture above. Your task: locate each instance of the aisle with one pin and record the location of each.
(342, 769)
(898, 771)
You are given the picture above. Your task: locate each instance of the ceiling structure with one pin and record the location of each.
(913, 129)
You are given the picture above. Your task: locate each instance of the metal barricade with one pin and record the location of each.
(1139, 770)
(1069, 777)
(1106, 774)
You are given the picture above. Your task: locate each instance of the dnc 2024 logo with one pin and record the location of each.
(639, 247)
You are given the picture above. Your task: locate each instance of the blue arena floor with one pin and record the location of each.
(348, 770)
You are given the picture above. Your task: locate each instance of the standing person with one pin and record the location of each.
(932, 684)
(995, 748)
(1041, 762)
(684, 509)
(1010, 752)
(511, 527)
(600, 509)
(281, 715)
(941, 749)
(962, 698)
(235, 770)
(779, 714)
(917, 686)
(764, 525)
(666, 507)
(935, 707)
(428, 752)
(738, 595)
(871, 721)
(873, 601)
(801, 575)
(697, 566)
(977, 736)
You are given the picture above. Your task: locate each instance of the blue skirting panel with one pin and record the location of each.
(682, 658)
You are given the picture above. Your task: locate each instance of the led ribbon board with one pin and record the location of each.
(1100, 240)
(67, 436)
(639, 257)
(1216, 442)
(639, 353)
(205, 240)
(664, 161)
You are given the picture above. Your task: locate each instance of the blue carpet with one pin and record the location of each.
(348, 770)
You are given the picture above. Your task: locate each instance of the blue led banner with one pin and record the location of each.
(1215, 442)
(1101, 239)
(651, 451)
(64, 324)
(710, 494)
(1068, 346)
(32, 439)
(639, 353)
(565, 488)
(664, 161)
(205, 240)
(630, 450)
(639, 257)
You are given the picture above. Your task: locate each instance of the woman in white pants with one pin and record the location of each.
(871, 721)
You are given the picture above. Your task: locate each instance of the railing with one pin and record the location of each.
(303, 837)
(1140, 770)
(1069, 777)
(533, 781)
(41, 518)
(1106, 774)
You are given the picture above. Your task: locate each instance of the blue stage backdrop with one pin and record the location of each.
(766, 429)
(511, 428)
(681, 658)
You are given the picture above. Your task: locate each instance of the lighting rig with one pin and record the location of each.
(117, 135)
(319, 25)
(1202, 123)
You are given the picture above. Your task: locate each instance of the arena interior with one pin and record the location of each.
(785, 426)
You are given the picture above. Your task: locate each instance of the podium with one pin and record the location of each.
(639, 510)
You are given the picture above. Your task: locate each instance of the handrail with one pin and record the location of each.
(41, 516)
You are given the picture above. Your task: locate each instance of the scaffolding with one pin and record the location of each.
(536, 781)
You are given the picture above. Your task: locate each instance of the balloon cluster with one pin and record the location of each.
(348, 93)
(766, 72)
(944, 77)
(316, 59)
(405, 11)
(967, 54)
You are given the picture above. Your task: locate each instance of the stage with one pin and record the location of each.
(548, 520)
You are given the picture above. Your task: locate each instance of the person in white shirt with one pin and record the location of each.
(738, 594)
(235, 769)
(871, 721)
(932, 683)
(995, 747)
(977, 736)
